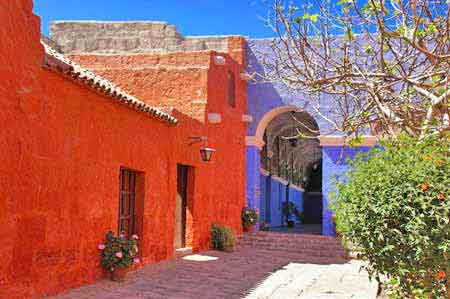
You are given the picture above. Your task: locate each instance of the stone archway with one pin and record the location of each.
(268, 117)
(284, 179)
(254, 144)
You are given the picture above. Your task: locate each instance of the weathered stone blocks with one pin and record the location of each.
(129, 37)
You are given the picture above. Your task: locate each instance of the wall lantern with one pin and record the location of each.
(205, 151)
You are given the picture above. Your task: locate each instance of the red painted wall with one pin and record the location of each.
(61, 147)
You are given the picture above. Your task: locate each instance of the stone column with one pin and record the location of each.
(253, 160)
(253, 176)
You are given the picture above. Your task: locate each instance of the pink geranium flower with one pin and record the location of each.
(119, 254)
(136, 260)
(136, 237)
(101, 246)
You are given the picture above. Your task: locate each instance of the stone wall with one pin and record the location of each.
(129, 37)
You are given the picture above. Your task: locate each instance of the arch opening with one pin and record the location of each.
(291, 160)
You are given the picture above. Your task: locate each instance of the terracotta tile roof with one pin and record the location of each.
(59, 63)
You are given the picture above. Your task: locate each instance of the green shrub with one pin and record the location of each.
(222, 238)
(394, 204)
(249, 217)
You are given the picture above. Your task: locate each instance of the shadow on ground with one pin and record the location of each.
(232, 275)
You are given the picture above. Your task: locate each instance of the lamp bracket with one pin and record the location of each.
(197, 139)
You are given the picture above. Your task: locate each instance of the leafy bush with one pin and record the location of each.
(394, 204)
(119, 251)
(222, 238)
(249, 217)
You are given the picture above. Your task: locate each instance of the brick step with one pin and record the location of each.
(329, 243)
(288, 243)
(292, 249)
(181, 252)
(325, 253)
(287, 238)
(306, 251)
(294, 237)
(301, 245)
(298, 257)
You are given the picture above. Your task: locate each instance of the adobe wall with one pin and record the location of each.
(194, 83)
(61, 148)
(174, 80)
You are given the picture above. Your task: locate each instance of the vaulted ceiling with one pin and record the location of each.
(280, 157)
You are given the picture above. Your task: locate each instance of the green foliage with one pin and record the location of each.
(222, 238)
(249, 217)
(119, 251)
(394, 204)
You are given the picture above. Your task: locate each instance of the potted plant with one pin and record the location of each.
(262, 226)
(299, 215)
(118, 254)
(288, 210)
(222, 238)
(249, 218)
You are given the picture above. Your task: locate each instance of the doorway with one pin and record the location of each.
(181, 205)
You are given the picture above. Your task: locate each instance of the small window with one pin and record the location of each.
(231, 89)
(130, 202)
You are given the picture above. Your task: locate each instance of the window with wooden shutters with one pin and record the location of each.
(127, 204)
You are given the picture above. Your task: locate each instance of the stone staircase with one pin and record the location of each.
(306, 248)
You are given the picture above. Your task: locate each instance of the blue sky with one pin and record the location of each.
(192, 17)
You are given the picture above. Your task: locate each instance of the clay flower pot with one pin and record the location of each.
(228, 249)
(291, 223)
(119, 274)
(249, 229)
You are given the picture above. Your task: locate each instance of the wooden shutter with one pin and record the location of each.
(127, 225)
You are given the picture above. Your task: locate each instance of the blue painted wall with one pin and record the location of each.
(253, 183)
(335, 163)
(273, 195)
(263, 97)
(278, 196)
(263, 213)
(296, 196)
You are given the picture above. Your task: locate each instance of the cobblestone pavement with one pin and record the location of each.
(232, 275)
(307, 281)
